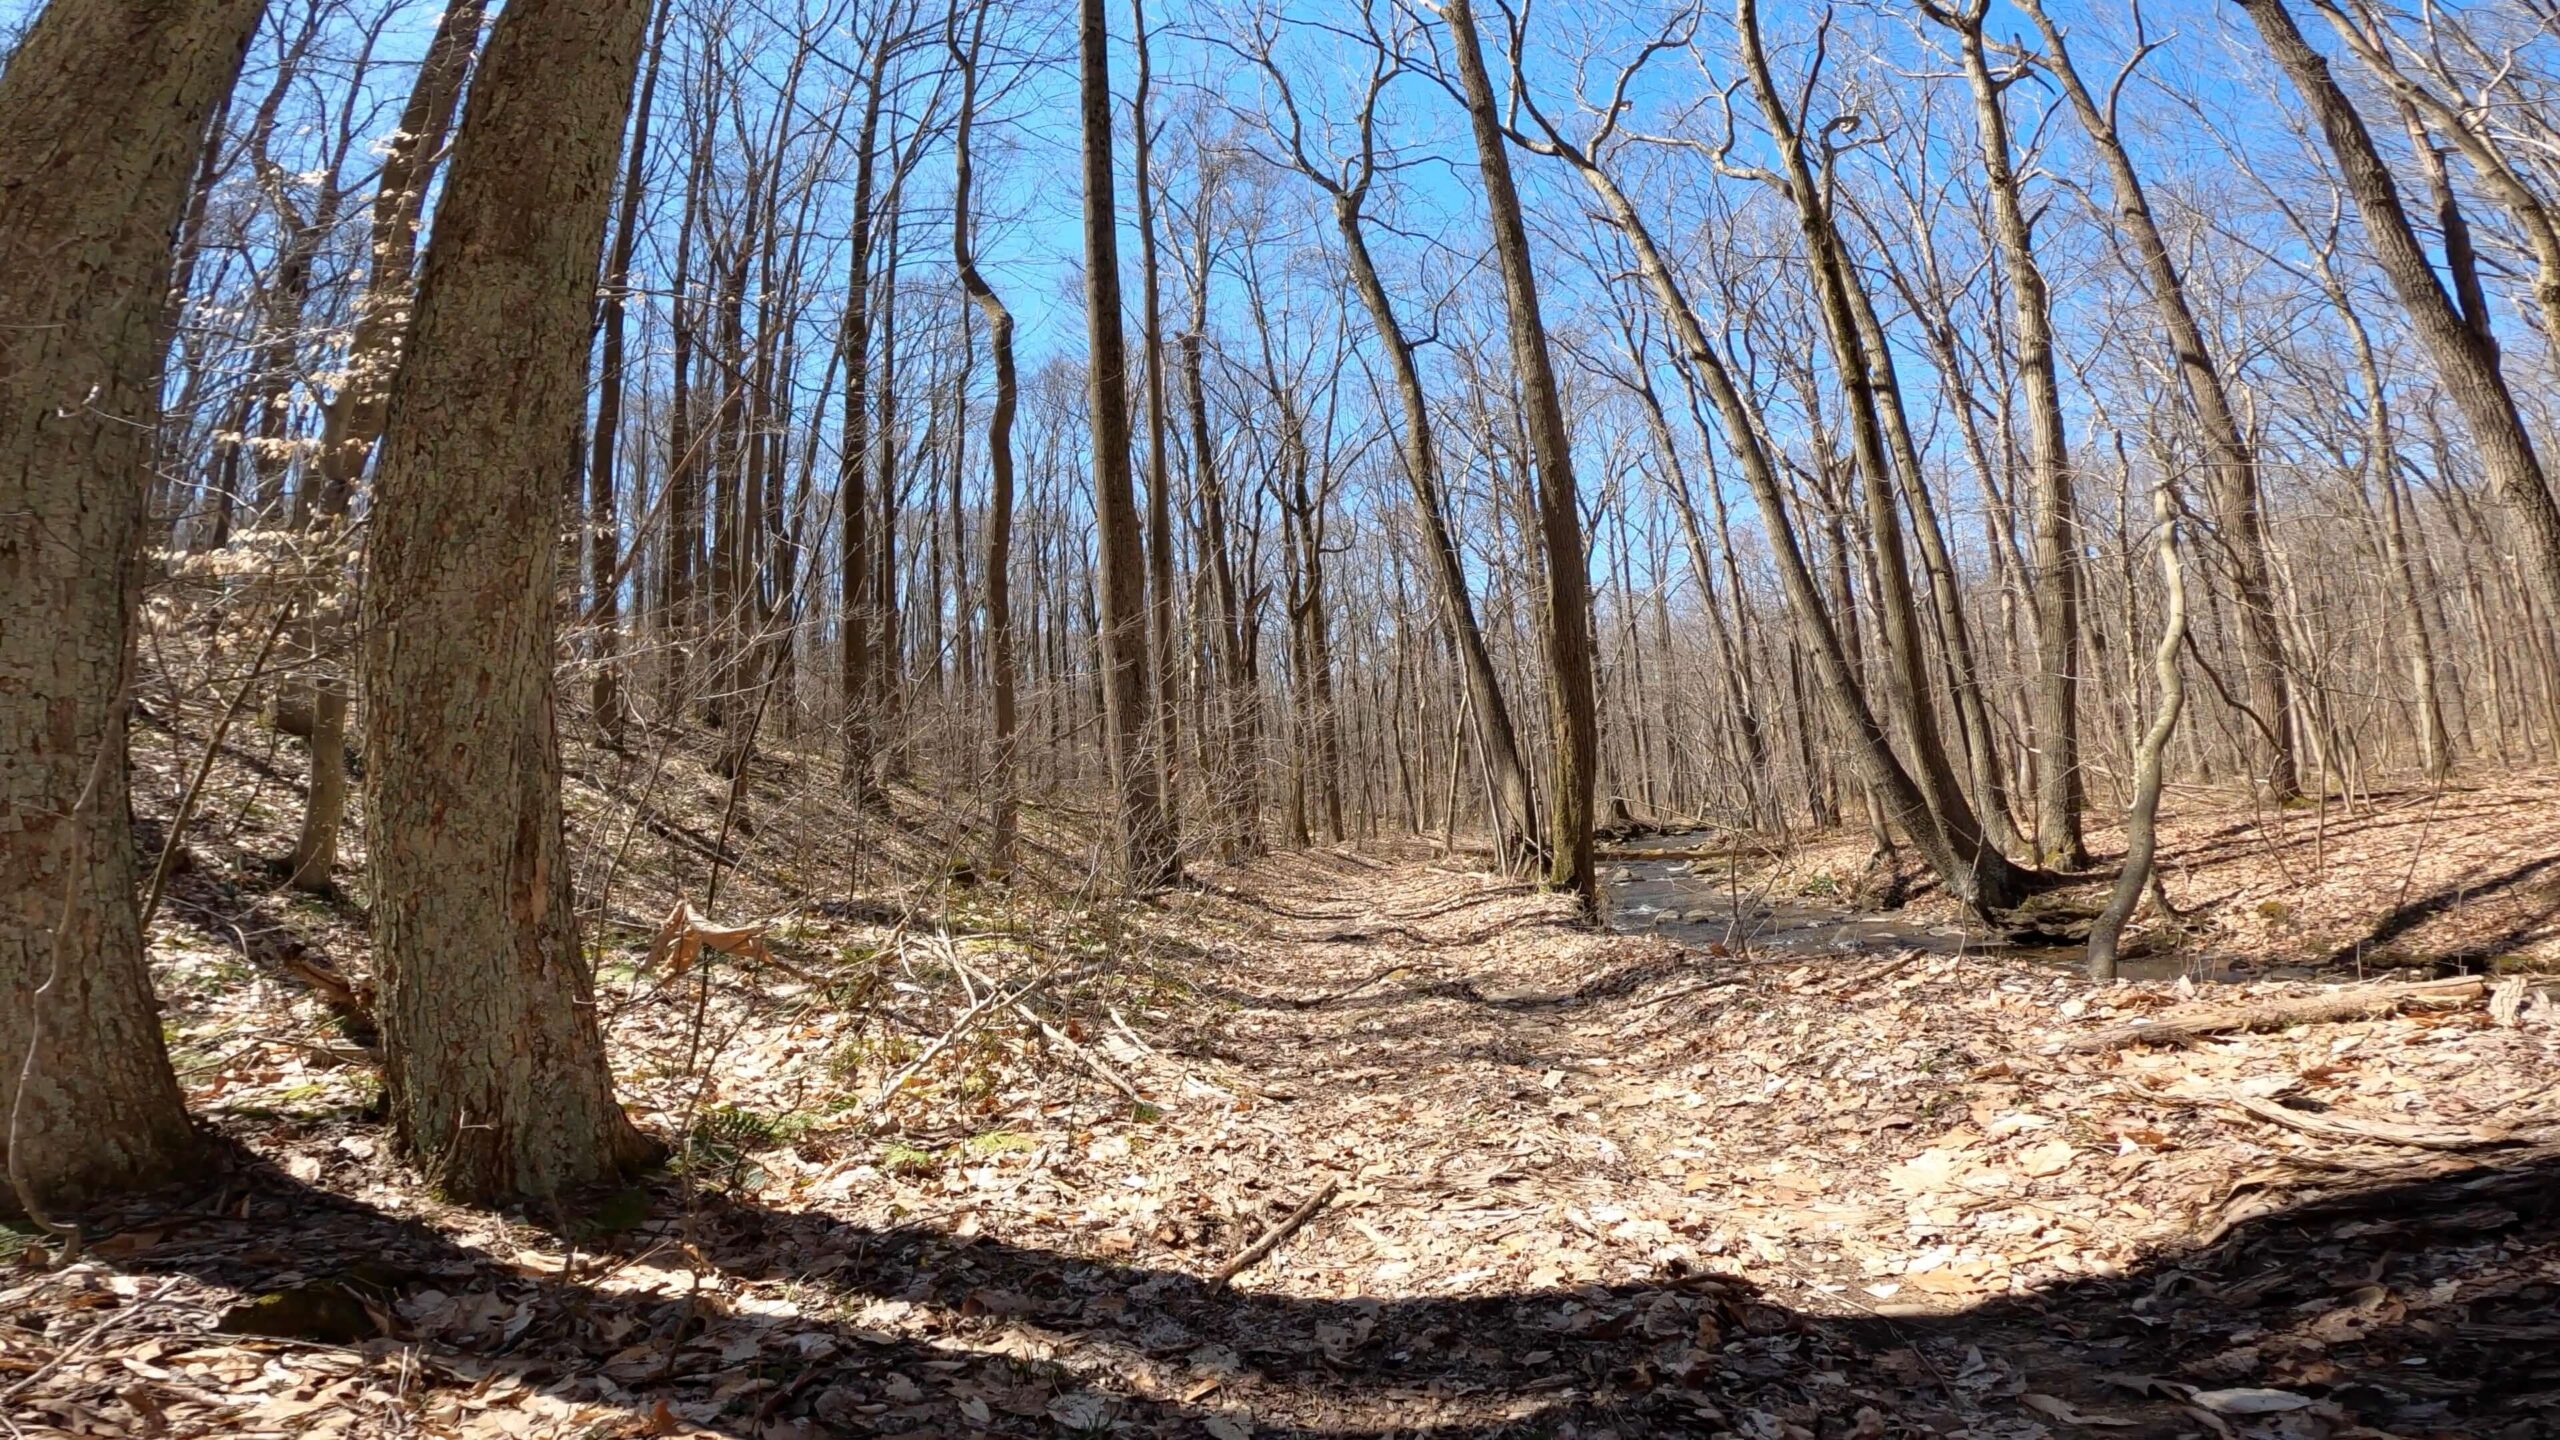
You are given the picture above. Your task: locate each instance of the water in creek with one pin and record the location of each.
(1679, 886)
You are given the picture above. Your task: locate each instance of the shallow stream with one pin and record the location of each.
(1685, 887)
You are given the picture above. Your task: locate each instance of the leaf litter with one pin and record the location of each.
(1572, 1183)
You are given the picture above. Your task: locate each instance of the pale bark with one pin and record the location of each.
(2141, 824)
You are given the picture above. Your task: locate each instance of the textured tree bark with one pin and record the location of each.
(1571, 706)
(1148, 857)
(495, 1070)
(854, 619)
(315, 849)
(2465, 361)
(86, 212)
(352, 420)
(2233, 460)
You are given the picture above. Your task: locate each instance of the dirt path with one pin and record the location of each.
(1582, 1185)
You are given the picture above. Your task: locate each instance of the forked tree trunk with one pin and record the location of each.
(2141, 825)
(495, 1070)
(86, 1096)
(1571, 706)
(1148, 858)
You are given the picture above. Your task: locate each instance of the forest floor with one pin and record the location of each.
(1562, 1181)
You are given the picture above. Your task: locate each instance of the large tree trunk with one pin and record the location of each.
(494, 1066)
(85, 265)
(2466, 361)
(1148, 857)
(1571, 705)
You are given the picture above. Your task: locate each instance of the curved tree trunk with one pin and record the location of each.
(494, 1066)
(2141, 825)
(1003, 783)
(85, 265)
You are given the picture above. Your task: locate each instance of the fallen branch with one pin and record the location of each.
(2185, 1022)
(968, 1021)
(2356, 1128)
(1065, 1042)
(1271, 1238)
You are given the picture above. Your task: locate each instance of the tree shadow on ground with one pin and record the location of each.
(2426, 1304)
(2409, 915)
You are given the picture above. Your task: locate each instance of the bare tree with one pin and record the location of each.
(1571, 705)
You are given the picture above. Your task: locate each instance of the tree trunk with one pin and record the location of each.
(1514, 818)
(352, 420)
(85, 264)
(2056, 571)
(494, 1067)
(2141, 825)
(1160, 607)
(1148, 857)
(2465, 361)
(1004, 767)
(604, 540)
(1571, 706)
(2233, 461)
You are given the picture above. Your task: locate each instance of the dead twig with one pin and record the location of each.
(1059, 1038)
(968, 1021)
(1271, 1238)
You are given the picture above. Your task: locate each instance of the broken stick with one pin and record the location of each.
(1271, 1238)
